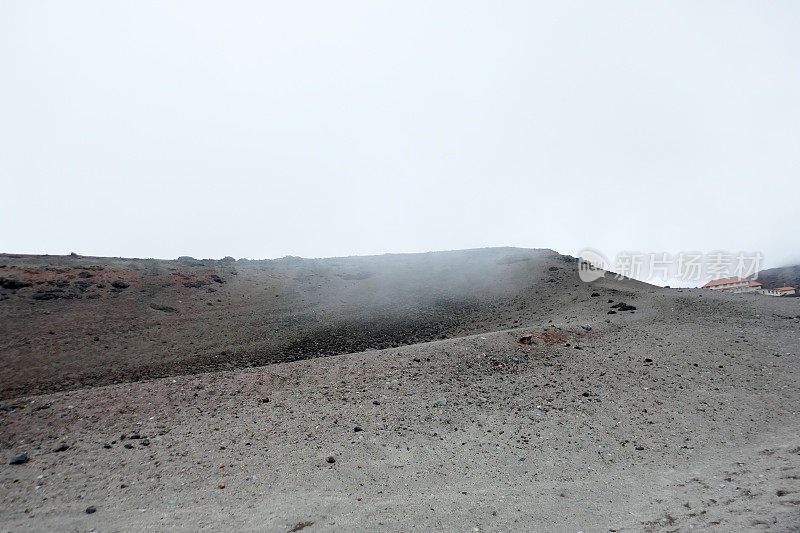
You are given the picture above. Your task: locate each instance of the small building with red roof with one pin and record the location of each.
(780, 291)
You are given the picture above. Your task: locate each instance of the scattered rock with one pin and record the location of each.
(587, 327)
(330, 459)
(8, 283)
(91, 509)
(357, 429)
(119, 284)
(83, 285)
(61, 448)
(165, 308)
(54, 294)
(19, 459)
(527, 339)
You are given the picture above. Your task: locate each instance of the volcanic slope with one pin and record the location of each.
(68, 322)
(679, 414)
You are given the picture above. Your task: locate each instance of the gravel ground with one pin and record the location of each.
(682, 414)
(75, 322)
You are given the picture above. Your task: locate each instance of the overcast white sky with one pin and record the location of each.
(340, 128)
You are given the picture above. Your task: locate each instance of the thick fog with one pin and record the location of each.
(319, 129)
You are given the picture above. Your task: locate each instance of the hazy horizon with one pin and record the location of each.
(319, 130)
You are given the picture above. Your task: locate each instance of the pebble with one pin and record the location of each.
(61, 448)
(91, 509)
(331, 459)
(357, 429)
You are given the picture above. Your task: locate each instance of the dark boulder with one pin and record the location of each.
(20, 459)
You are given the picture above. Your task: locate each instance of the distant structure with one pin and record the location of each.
(733, 284)
(780, 291)
(736, 284)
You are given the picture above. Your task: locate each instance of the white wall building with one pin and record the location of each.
(780, 291)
